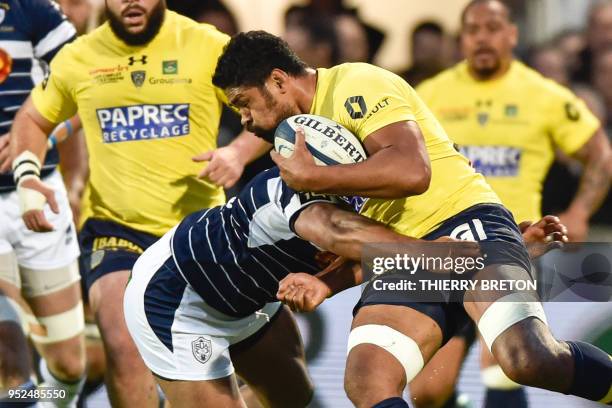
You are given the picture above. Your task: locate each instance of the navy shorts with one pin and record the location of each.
(108, 247)
(490, 224)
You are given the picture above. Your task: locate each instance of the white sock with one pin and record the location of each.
(72, 389)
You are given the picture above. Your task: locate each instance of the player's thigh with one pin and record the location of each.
(54, 296)
(283, 380)
(389, 344)
(221, 392)
(437, 381)
(106, 300)
(497, 311)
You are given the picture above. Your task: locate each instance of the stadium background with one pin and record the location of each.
(552, 36)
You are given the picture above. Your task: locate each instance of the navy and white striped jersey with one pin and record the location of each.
(31, 33)
(234, 255)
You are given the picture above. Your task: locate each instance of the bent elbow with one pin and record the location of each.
(416, 182)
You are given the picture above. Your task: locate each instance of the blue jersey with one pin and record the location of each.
(31, 33)
(234, 255)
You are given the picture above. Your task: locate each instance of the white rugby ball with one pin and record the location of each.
(327, 140)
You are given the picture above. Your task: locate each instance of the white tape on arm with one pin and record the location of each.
(27, 166)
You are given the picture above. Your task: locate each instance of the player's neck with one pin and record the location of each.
(503, 70)
(306, 87)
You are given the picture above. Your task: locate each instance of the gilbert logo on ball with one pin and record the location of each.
(328, 141)
(6, 65)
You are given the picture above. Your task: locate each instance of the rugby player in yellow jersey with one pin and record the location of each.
(141, 84)
(508, 120)
(436, 194)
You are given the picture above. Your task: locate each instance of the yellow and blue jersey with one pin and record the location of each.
(509, 128)
(146, 111)
(364, 99)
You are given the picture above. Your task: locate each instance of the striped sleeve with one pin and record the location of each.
(50, 28)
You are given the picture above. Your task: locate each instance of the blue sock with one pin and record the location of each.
(592, 372)
(514, 398)
(394, 402)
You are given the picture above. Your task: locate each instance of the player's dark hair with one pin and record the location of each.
(428, 27)
(473, 3)
(249, 58)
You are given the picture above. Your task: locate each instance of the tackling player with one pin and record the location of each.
(39, 277)
(199, 299)
(508, 120)
(410, 157)
(141, 83)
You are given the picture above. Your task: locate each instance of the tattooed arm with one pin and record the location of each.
(596, 156)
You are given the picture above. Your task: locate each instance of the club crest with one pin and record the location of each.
(202, 349)
(138, 78)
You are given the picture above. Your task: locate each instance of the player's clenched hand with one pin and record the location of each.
(224, 168)
(296, 170)
(5, 161)
(302, 292)
(33, 194)
(547, 234)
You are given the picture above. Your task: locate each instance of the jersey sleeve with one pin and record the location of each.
(50, 29)
(571, 123)
(374, 99)
(53, 97)
(294, 202)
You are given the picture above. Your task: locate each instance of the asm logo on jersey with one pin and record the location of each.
(357, 202)
(494, 161)
(143, 122)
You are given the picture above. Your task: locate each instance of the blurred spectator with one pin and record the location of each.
(570, 43)
(352, 37)
(314, 40)
(348, 34)
(207, 11)
(599, 38)
(550, 62)
(428, 43)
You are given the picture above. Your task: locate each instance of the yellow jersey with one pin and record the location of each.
(365, 98)
(509, 128)
(146, 111)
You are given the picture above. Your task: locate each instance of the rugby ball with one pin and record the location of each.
(328, 141)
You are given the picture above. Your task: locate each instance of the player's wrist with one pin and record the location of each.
(579, 212)
(26, 166)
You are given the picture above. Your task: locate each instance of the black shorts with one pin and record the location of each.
(108, 247)
(486, 223)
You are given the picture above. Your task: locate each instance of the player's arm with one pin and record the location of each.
(398, 166)
(28, 145)
(343, 232)
(596, 156)
(227, 163)
(303, 292)
(73, 161)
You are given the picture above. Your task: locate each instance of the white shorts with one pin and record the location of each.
(34, 250)
(178, 335)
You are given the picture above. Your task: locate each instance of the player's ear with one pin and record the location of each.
(514, 35)
(279, 79)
